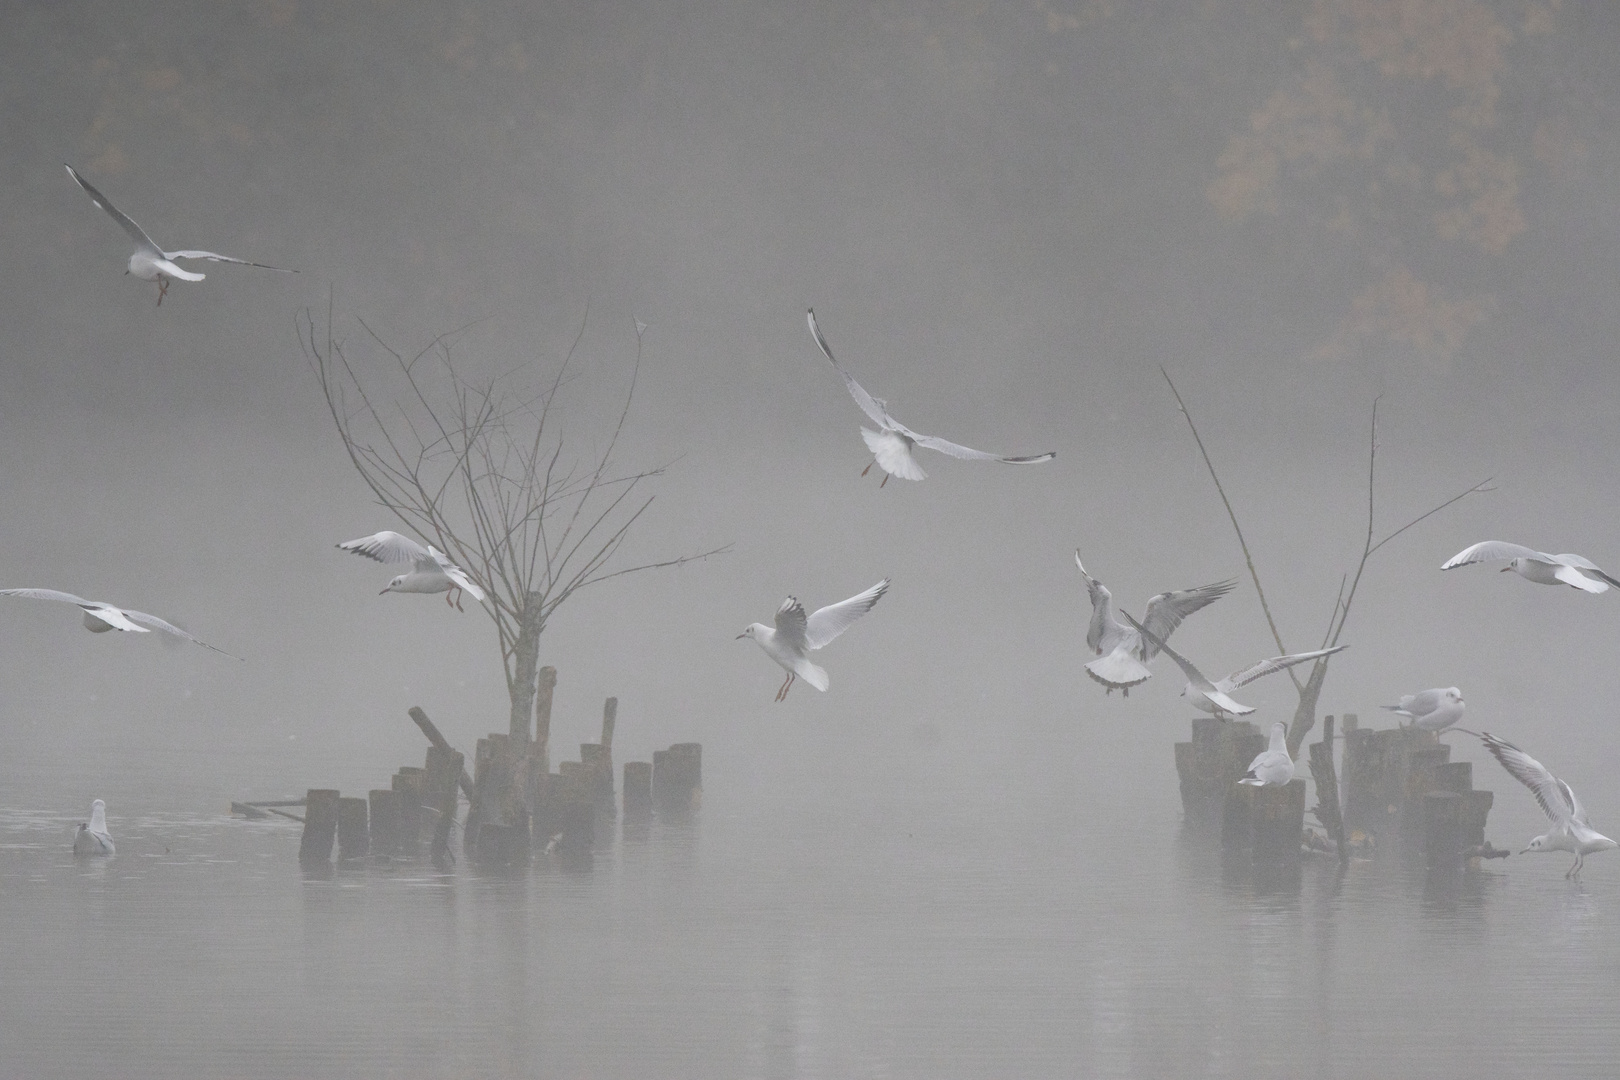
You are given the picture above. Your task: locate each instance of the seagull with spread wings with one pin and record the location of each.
(430, 571)
(1575, 571)
(1571, 831)
(1212, 697)
(893, 442)
(796, 634)
(150, 262)
(1122, 652)
(100, 618)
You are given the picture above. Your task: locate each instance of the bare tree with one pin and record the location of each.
(480, 469)
(1310, 690)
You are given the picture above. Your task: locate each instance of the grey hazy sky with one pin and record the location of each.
(1004, 216)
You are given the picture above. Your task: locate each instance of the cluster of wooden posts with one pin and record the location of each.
(1401, 794)
(516, 806)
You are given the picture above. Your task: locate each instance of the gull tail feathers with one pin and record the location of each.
(1119, 670)
(810, 673)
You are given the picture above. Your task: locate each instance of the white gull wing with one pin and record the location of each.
(871, 406)
(391, 547)
(1271, 666)
(1555, 797)
(113, 617)
(1587, 569)
(215, 257)
(455, 573)
(49, 594)
(790, 624)
(1416, 705)
(169, 628)
(828, 622)
(956, 450)
(135, 232)
(1166, 610)
(1487, 550)
(1195, 678)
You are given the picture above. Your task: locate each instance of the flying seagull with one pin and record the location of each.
(1123, 654)
(150, 262)
(100, 617)
(1272, 767)
(93, 839)
(430, 571)
(796, 634)
(1211, 697)
(892, 443)
(1431, 710)
(1571, 831)
(1536, 566)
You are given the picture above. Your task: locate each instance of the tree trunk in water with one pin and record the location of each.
(1305, 715)
(526, 660)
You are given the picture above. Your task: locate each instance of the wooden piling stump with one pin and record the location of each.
(598, 759)
(441, 779)
(408, 784)
(1218, 755)
(320, 825)
(677, 781)
(1265, 823)
(384, 823)
(1455, 776)
(638, 803)
(354, 839)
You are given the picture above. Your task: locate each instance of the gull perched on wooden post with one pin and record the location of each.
(892, 443)
(93, 838)
(1122, 651)
(795, 634)
(1212, 697)
(1272, 767)
(1571, 831)
(430, 571)
(1537, 566)
(100, 618)
(150, 262)
(1431, 710)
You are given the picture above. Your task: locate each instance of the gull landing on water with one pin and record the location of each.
(1123, 652)
(150, 262)
(1272, 767)
(430, 571)
(93, 838)
(796, 634)
(1212, 697)
(892, 443)
(100, 618)
(1537, 566)
(1571, 832)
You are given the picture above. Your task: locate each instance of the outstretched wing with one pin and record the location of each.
(1555, 797)
(1486, 550)
(1194, 676)
(456, 573)
(956, 450)
(1273, 665)
(832, 620)
(1592, 570)
(136, 233)
(790, 623)
(215, 257)
(47, 594)
(1165, 611)
(871, 406)
(388, 547)
(169, 628)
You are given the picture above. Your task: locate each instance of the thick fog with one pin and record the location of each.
(1008, 218)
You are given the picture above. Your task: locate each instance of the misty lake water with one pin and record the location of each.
(887, 933)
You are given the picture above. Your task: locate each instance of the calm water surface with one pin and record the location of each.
(891, 935)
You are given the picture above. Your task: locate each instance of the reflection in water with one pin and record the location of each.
(905, 941)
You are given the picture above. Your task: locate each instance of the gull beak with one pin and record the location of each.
(1504, 569)
(739, 637)
(1526, 851)
(386, 590)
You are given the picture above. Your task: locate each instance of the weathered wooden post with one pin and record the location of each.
(1265, 823)
(352, 829)
(1210, 764)
(598, 761)
(442, 776)
(575, 810)
(677, 781)
(435, 738)
(638, 799)
(320, 826)
(408, 784)
(1327, 789)
(384, 822)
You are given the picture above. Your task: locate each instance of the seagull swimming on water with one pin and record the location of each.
(796, 633)
(1571, 831)
(1122, 651)
(893, 442)
(100, 618)
(93, 838)
(1537, 566)
(1272, 767)
(430, 571)
(1431, 710)
(150, 262)
(1212, 697)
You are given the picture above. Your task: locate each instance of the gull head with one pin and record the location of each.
(751, 632)
(392, 585)
(1540, 843)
